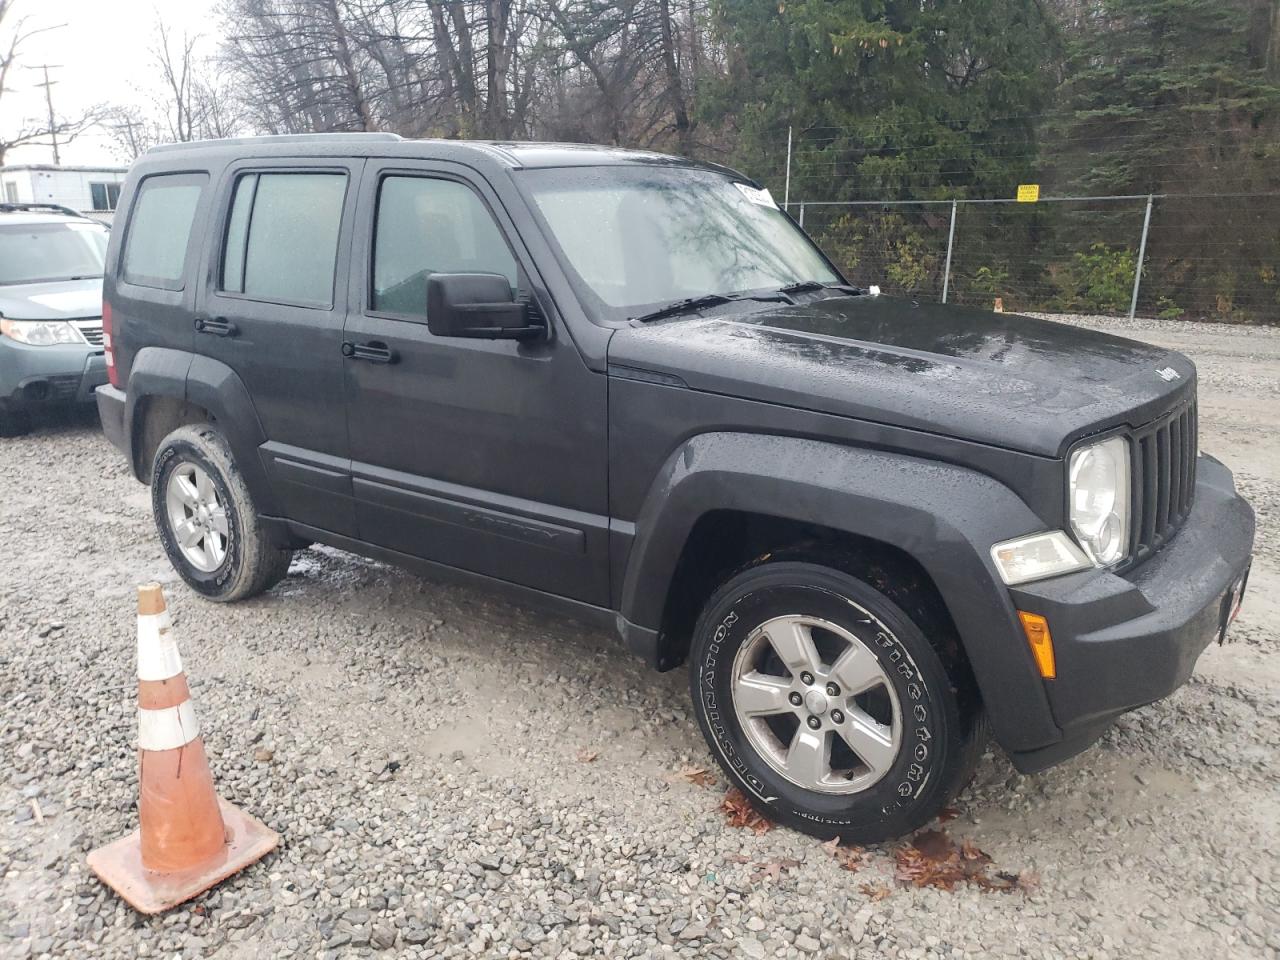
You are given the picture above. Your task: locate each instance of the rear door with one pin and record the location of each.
(147, 285)
(273, 310)
(487, 455)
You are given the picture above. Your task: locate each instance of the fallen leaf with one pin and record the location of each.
(587, 756)
(948, 814)
(850, 858)
(874, 892)
(698, 776)
(774, 869)
(933, 844)
(933, 859)
(263, 754)
(739, 812)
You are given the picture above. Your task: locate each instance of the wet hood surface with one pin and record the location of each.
(54, 300)
(1004, 379)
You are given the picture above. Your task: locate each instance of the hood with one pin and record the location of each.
(52, 300)
(997, 378)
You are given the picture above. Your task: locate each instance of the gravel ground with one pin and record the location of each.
(456, 777)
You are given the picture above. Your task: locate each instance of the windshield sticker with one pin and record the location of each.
(760, 196)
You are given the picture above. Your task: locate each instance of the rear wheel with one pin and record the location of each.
(828, 706)
(207, 519)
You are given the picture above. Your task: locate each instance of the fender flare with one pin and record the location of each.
(213, 386)
(944, 516)
(155, 372)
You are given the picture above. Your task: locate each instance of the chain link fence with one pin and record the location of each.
(1153, 256)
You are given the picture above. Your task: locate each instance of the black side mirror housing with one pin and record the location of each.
(477, 305)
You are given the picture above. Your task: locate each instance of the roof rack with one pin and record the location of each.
(285, 138)
(10, 207)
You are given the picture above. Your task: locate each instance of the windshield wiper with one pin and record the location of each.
(707, 300)
(805, 286)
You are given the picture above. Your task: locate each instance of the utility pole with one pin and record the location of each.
(48, 98)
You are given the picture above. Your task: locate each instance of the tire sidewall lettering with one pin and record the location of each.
(169, 459)
(913, 769)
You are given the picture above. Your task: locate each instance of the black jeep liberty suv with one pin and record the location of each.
(629, 387)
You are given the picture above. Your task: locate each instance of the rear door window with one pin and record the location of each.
(159, 230)
(282, 237)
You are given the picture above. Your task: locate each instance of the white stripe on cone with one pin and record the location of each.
(169, 728)
(158, 657)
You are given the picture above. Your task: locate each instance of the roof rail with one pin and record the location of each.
(285, 138)
(10, 207)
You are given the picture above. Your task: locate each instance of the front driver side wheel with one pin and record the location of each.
(827, 706)
(207, 519)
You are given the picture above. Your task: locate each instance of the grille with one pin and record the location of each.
(91, 332)
(1164, 481)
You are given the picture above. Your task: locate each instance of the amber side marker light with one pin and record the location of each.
(1036, 628)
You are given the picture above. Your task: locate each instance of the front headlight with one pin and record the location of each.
(1098, 491)
(40, 333)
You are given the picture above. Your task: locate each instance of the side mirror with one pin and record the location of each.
(477, 305)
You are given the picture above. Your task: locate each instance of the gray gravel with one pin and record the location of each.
(456, 777)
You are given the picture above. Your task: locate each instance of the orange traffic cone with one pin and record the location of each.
(188, 839)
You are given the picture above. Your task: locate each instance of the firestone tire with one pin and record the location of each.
(238, 562)
(941, 732)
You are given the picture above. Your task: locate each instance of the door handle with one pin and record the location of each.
(375, 351)
(216, 326)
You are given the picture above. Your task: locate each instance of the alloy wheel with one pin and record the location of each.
(816, 704)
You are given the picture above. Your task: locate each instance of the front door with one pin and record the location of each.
(487, 455)
(273, 312)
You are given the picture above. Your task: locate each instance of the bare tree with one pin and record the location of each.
(32, 131)
(174, 57)
(132, 131)
(621, 72)
(197, 102)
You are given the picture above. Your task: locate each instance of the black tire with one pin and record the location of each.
(14, 423)
(943, 729)
(251, 564)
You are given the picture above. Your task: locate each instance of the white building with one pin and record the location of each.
(91, 190)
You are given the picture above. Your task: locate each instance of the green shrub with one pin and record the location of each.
(882, 247)
(1097, 281)
(1166, 309)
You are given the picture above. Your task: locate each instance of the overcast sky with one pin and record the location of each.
(103, 50)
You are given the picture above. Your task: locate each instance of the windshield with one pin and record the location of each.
(638, 237)
(39, 252)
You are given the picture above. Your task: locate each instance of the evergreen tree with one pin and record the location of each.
(891, 98)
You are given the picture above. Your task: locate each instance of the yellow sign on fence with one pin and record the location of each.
(1028, 192)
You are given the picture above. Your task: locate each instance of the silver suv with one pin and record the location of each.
(51, 349)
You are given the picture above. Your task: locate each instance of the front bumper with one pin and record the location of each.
(1124, 641)
(32, 376)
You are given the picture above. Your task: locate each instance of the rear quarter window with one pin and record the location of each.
(159, 230)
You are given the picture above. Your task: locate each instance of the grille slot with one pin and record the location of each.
(1164, 465)
(91, 332)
